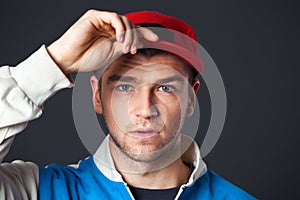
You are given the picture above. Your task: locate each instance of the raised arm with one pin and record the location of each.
(92, 42)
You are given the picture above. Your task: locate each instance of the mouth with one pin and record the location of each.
(144, 134)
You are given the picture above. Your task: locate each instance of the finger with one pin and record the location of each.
(135, 41)
(147, 34)
(112, 19)
(128, 35)
(117, 50)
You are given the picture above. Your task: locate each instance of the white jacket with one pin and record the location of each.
(23, 91)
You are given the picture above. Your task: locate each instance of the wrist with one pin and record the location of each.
(57, 57)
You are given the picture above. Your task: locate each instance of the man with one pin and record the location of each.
(144, 86)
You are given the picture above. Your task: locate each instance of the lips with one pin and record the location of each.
(144, 133)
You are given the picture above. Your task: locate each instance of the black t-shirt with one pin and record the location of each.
(165, 194)
(147, 194)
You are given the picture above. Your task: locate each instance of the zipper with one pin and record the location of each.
(128, 190)
(179, 192)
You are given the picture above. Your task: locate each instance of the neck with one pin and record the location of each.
(176, 173)
(152, 174)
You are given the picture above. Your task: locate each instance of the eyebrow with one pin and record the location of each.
(114, 78)
(130, 79)
(171, 79)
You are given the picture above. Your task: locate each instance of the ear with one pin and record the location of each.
(192, 97)
(96, 95)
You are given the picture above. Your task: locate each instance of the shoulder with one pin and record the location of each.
(224, 188)
(212, 186)
(62, 182)
(81, 181)
(59, 170)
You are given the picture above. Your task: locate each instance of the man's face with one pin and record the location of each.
(144, 102)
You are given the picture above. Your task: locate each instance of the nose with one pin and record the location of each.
(143, 104)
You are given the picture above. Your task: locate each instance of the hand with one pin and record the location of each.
(95, 40)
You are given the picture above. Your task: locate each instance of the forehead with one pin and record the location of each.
(158, 66)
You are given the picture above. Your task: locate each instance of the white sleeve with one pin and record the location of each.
(23, 91)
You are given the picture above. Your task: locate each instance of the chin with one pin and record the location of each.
(149, 153)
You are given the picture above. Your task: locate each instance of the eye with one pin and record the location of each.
(166, 88)
(124, 88)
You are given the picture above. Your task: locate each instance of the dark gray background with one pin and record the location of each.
(255, 44)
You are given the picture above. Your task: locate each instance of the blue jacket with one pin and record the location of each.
(90, 180)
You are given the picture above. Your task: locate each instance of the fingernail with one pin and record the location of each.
(133, 51)
(126, 49)
(155, 37)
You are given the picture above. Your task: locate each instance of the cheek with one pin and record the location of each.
(176, 104)
(116, 112)
(176, 112)
(172, 115)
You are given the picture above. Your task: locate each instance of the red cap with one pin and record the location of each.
(176, 36)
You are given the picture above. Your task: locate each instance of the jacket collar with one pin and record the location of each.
(105, 164)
